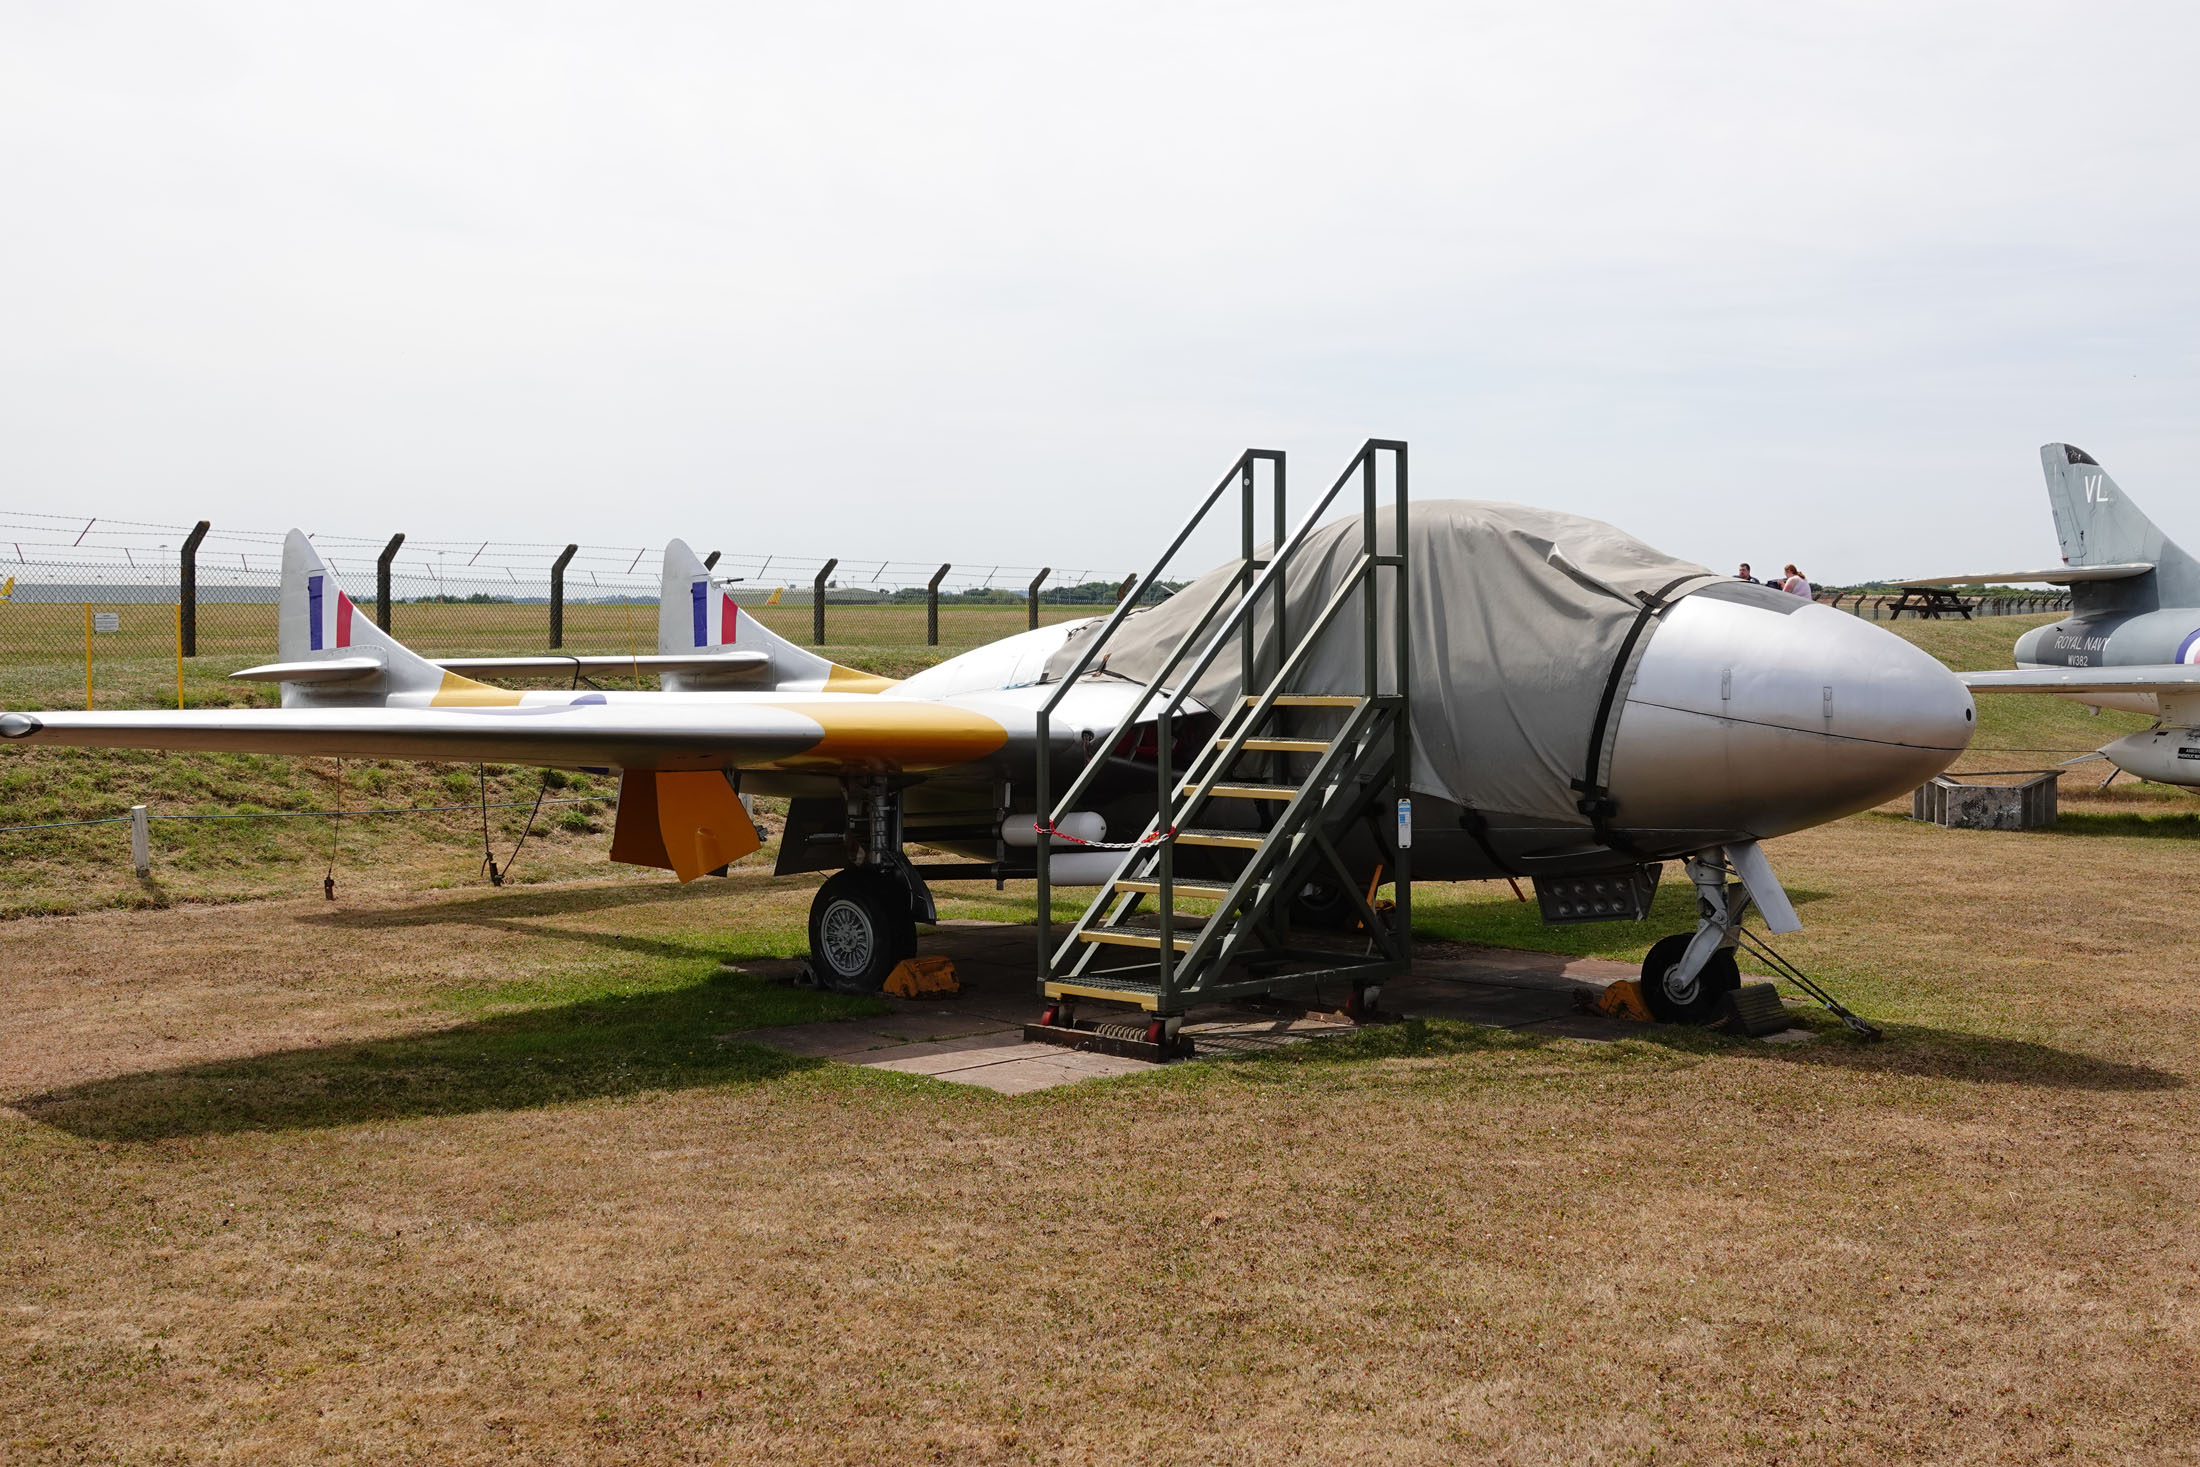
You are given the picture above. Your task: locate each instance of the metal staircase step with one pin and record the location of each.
(1205, 891)
(1119, 937)
(1286, 746)
(1255, 792)
(1243, 840)
(1114, 990)
(1309, 700)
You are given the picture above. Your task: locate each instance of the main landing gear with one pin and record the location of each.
(860, 927)
(863, 920)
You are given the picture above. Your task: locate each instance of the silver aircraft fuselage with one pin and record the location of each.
(1751, 713)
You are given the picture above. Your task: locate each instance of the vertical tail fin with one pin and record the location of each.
(2097, 524)
(316, 622)
(694, 614)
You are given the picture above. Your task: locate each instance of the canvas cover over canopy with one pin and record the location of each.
(1518, 617)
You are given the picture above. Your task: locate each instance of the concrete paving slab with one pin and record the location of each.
(921, 1023)
(1025, 1074)
(945, 1056)
(975, 1037)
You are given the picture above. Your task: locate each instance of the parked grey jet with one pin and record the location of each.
(2132, 639)
(1584, 709)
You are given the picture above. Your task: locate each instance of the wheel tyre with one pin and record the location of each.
(1697, 1002)
(1324, 908)
(860, 927)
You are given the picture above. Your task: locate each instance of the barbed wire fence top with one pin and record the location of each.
(48, 552)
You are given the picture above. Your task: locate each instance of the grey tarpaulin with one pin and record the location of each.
(1519, 616)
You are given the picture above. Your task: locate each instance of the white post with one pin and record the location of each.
(141, 841)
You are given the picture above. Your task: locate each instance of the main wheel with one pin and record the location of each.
(860, 927)
(1322, 906)
(1697, 1000)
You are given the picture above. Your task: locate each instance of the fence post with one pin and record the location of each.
(557, 595)
(932, 606)
(382, 582)
(817, 603)
(1125, 589)
(1031, 598)
(141, 841)
(187, 590)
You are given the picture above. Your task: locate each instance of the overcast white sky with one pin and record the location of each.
(1016, 282)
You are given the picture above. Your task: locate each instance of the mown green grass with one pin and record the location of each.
(550, 1039)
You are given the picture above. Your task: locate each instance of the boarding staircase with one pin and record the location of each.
(1290, 770)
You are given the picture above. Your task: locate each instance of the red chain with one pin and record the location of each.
(1048, 829)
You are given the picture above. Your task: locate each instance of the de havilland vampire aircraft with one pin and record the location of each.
(2132, 639)
(1584, 709)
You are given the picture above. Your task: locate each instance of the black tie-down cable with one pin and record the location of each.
(1763, 950)
(335, 831)
(488, 852)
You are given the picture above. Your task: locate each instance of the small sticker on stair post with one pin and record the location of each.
(1405, 825)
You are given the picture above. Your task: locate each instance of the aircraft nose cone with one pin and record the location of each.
(1756, 712)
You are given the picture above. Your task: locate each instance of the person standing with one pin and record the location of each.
(1744, 575)
(1796, 584)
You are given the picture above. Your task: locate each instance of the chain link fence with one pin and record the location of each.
(1886, 605)
(130, 614)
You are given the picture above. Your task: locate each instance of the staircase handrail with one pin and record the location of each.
(1213, 648)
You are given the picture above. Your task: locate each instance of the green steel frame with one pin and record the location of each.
(1358, 768)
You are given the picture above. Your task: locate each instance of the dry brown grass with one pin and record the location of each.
(1969, 1244)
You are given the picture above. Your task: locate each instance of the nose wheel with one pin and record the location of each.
(1676, 996)
(1686, 976)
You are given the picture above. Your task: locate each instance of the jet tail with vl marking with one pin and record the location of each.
(2098, 525)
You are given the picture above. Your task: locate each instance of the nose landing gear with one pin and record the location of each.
(1686, 975)
(1676, 996)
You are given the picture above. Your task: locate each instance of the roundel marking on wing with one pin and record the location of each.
(2188, 651)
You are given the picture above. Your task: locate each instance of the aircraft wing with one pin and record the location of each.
(805, 732)
(2061, 575)
(2168, 677)
(754, 664)
(340, 669)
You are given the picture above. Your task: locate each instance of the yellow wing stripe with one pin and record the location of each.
(892, 735)
(464, 692)
(848, 680)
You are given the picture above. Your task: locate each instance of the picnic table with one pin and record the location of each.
(1929, 602)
